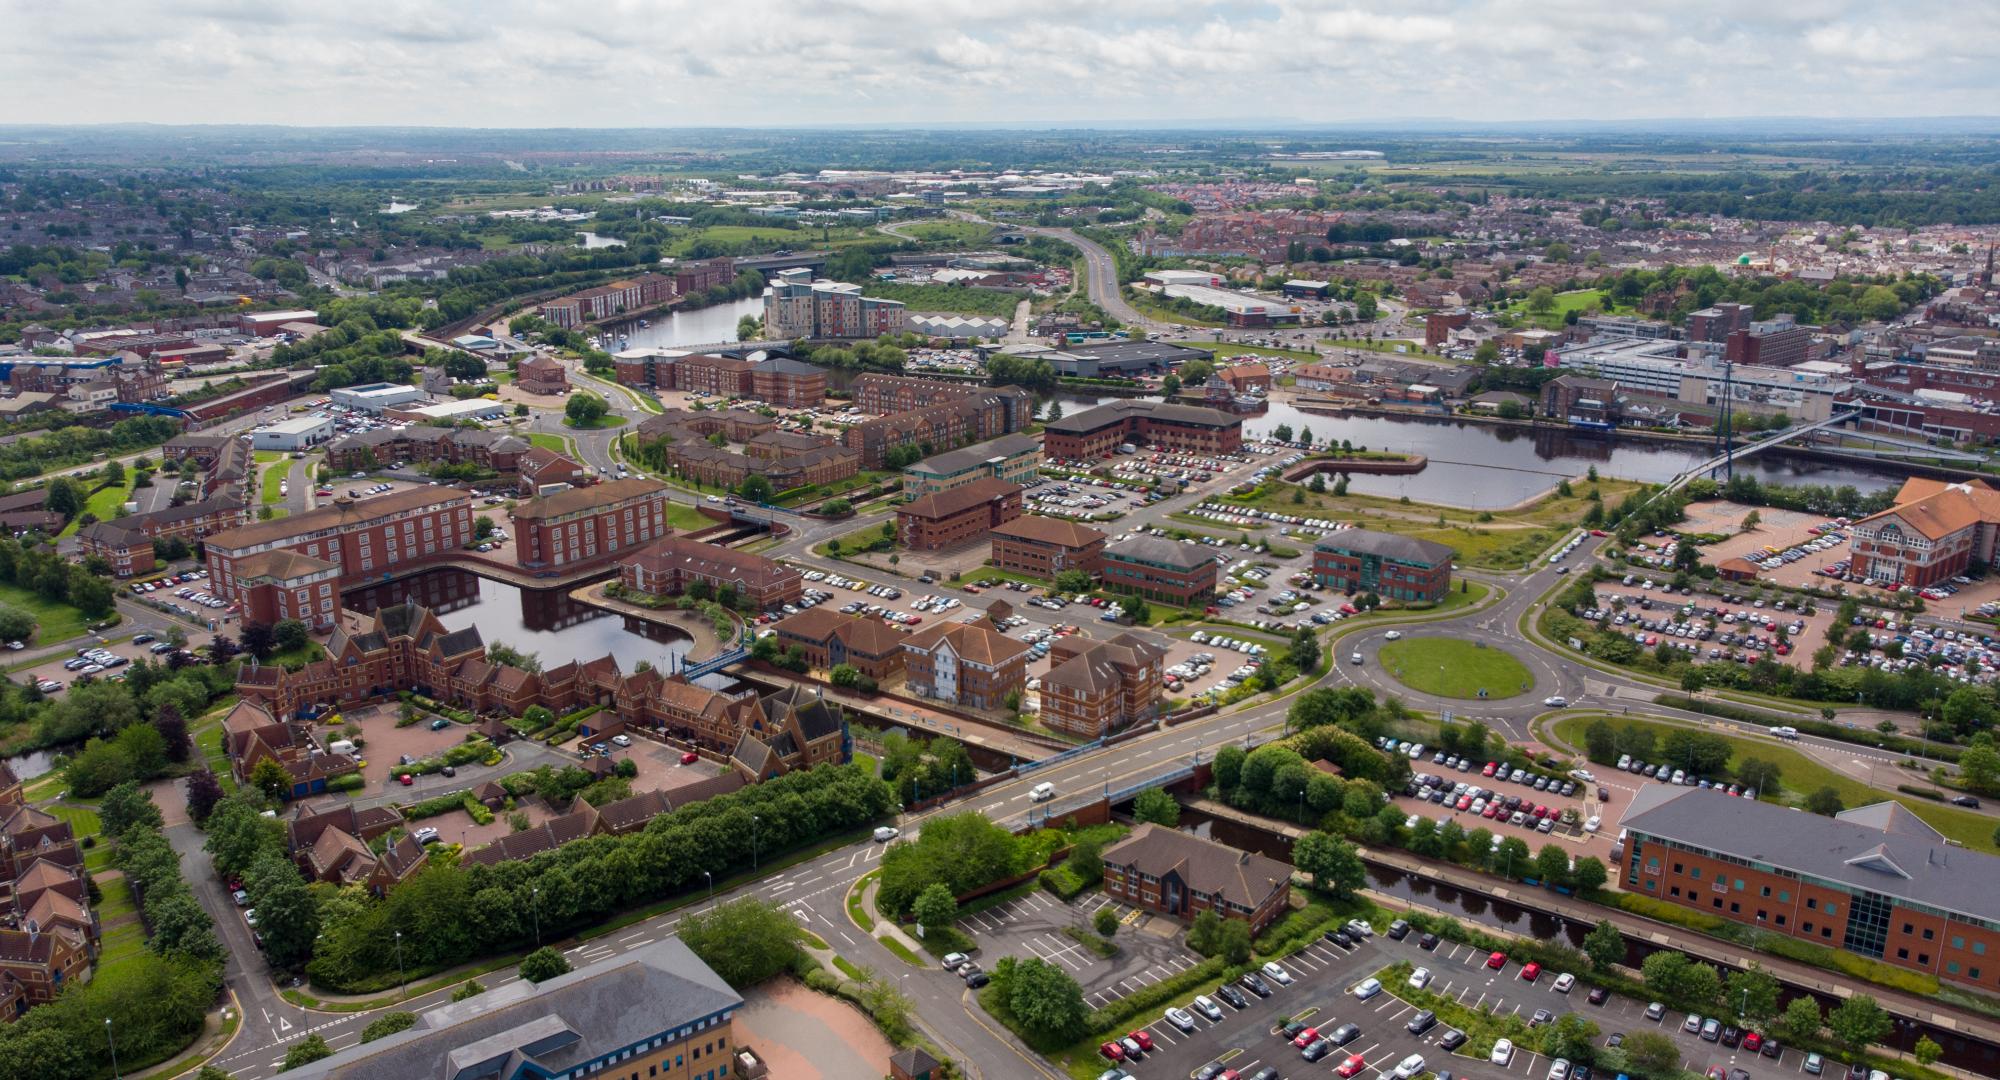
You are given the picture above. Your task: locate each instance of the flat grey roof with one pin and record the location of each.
(1388, 545)
(1154, 549)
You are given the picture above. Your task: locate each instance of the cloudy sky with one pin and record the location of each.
(661, 63)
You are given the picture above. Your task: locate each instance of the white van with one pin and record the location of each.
(1042, 792)
(340, 746)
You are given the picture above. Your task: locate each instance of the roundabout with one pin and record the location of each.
(1455, 668)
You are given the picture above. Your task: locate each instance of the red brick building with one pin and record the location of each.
(1391, 566)
(279, 585)
(965, 664)
(1095, 688)
(127, 542)
(540, 374)
(1438, 326)
(1876, 880)
(252, 734)
(1933, 532)
(1159, 569)
(1044, 546)
(950, 518)
(1181, 875)
(667, 567)
(540, 465)
(790, 383)
(361, 538)
(829, 639)
(585, 525)
(1097, 433)
(500, 451)
(702, 274)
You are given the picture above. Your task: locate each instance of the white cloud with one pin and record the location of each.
(533, 63)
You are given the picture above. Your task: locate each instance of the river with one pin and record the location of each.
(545, 622)
(1487, 466)
(592, 240)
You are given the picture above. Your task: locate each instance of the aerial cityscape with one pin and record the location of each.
(1010, 541)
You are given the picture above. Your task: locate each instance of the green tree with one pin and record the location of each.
(125, 806)
(1858, 1023)
(1666, 975)
(545, 963)
(1334, 864)
(1542, 300)
(1825, 801)
(1800, 1021)
(746, 941)
(1589, 875)
(1927, 1051)
(1234, 941)
(1979, 765)
(203, 792)
(1512, 858)
(755, 488)
(271, 778)
(1753, 994)
(1651, 1054)
(935, 906)
(1599, 741)
(471, 988)
(584, 410)
(1572, 1036)
(1046, 1001)
(210, 1072)
(1552, 865)
(1604, 945)
(1156, 806)
(289, 634)
(1106, 921)
(388, 1024)
(1205, 935)
(305, 1052)
(1305, 653)
(287, 913)
(1071, 582)
(1760, 774)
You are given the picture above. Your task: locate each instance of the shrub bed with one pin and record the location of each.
(1209, 973)
(1063, 882)
(1854, 964)
(1921, 793)
(1104, 947)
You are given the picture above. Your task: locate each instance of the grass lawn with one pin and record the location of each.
(961, 232)
(117, 898)
(54, 622)
(600, 424)
(121, 943)
(867, 762)
(561, 444)
(83, 821)
(1803, 775)
(266, 457)
(686, 518)
(210, 743)
(1448, 667)
(1225, 351)
(103, 505)
(270, 483)
(1565, 303)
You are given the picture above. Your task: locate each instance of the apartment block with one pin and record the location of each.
(586, 525)
(1097, 433)
(964, 664)
(360, 537)
(1095, 688)
(798, 306)
(668, 567)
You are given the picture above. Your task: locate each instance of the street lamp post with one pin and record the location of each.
(113, 1043)
(711, 887)
(536, 907)
(401, 983)
(754, 841)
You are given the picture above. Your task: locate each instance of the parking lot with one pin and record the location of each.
(1246, 1040)
(1032, 925)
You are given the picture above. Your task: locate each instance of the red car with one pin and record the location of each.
(1497, 961)
(1144, 1039)
(1113, 1051)
(690, 758)
(1492, 811)
(1304, 1038)
(1752, 1041)
(1491, 767)
(406, 779)
(1530, 971)
(1599, 532)
(1465, 802)
(1352, 1065)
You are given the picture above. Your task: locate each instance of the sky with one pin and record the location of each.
(669, 63)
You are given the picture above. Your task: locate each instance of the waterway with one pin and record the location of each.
(545, 622)
(592, 240)
(702, 326)
(395, 207)
(1487, 466)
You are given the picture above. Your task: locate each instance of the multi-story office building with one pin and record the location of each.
(1933, 532)
(668, 567)
(1158, 569)
(776, 380)
(542, 375)
(1876, 881)
(1779, 342)
(1181, 875)
(828, 639)
(994, 410)
(1715, 324)
(1094, 688)
(1045, 546)
(586, 525)
(797, 306)
(1010, 457)
(1391, 566)
(1097, 433)
(361, 538)
(965, 664)
(936, 522)
(656, 1012)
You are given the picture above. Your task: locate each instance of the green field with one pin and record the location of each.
(1801, 775)
(54, 622)
(1447, 667)
(956, 299)
(686, 518)
(1565, 303)
(561, 444)
(269, 484)
(104, 505)
(957, 232)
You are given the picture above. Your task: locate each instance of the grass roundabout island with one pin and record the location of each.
(1449, 667)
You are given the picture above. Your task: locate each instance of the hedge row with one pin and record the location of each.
(1213, 971)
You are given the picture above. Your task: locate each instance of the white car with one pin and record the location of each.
(1181, 1019)
(1503, 1052)
(1409, 1067)
(1277, 974)
(886, 833)
(1206, 1006)
(1556, 702)
(1563, 982)
(953, 960)
(1367, 988)
(621, 740)
(1593, 824)
(1420, 978)
(1393, 635)
(1559, 1069)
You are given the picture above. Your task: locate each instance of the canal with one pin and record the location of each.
(545, 622)
(1488, 466)
(1474, 907)
(702, 326)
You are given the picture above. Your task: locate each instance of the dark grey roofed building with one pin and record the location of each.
(655, 999)
(1161, 552)
(1403, 549)
(957, 461)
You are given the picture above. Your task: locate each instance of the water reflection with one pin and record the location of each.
(703, 326)
(546, 622)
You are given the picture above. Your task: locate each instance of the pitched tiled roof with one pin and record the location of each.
(595, 497)
(959, 499)
(1048, 530)
(1241, 877)
(280, 565)
(970, 640)
(1155, 549)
